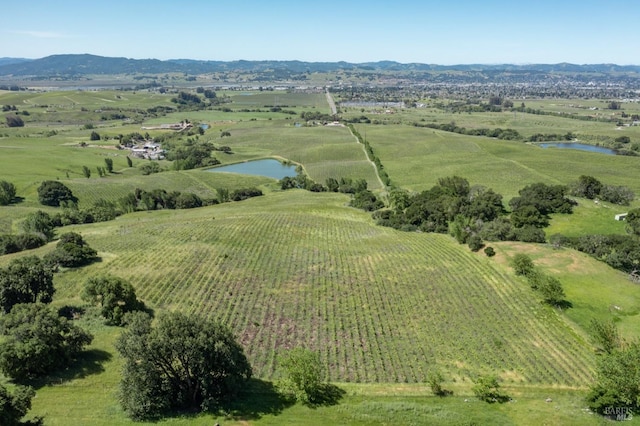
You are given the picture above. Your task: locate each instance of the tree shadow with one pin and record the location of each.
(258, 398)
(88, 363)
(442, 393)
(327, 395)
(563, 304)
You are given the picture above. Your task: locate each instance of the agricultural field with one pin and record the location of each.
(294, 268)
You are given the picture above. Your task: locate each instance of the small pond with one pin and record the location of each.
(268, 167)
(204, 126)
(578, 146)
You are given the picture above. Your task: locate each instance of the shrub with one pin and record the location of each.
(14, 121)
(487, 389)
(475, 243)
(522, 264)
(7, 192)
(303, 375)
(114, 296)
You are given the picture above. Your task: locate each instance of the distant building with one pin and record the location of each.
(621, 216)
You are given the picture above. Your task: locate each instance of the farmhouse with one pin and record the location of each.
(148, 150)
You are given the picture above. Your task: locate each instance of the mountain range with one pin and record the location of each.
(86, 64)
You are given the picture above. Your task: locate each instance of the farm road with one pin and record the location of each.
(332, 104)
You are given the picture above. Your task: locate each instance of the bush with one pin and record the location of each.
(114, 296)
(489, 251)
(243, 194)
(150, 168)
(522, 264)
(188, 200)
(435, 380)
(303, 375)
(475, 243)
(530, 234)
(487, 389)
(7, 192)
(14, 121)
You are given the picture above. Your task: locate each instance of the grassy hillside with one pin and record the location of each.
(299, 268)
(381, 306)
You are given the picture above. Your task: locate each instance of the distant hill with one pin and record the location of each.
(85, 64)
(9, 61)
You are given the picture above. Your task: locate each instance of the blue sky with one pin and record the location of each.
(436, 32)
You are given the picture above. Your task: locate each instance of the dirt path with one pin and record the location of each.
(375, 169)
(332, 104)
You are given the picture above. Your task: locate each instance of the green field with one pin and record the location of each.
(296, 268)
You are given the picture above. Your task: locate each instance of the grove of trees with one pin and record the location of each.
(37, 341)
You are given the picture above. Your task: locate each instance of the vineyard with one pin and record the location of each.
(293, 268)
(506, 166)
(379, 305)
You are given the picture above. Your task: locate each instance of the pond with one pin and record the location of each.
(579, 146)
(268, 167)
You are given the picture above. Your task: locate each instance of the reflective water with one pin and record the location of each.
(578, 146)
(268, 167)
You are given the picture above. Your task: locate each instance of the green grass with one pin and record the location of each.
(297, 268)
(416, 157)
(595, 290)
(588, 217)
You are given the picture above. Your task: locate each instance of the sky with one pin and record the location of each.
(443, 32)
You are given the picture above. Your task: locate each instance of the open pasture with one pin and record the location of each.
(594, 290)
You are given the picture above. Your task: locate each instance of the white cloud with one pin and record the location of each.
(39, 34)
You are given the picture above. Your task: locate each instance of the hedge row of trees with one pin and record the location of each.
(505, 134)
(384, 176)
(591, 188)
(547, 286)
(39, 226)
(362, 197)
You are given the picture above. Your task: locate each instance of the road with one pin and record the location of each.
(332, 104)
